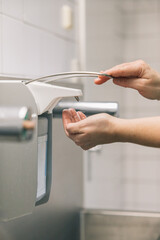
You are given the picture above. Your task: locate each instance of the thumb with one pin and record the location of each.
(66, 117)
(73, 128)
(81, 115)
(128, 82)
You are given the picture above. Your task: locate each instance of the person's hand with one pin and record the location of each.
(91, 131)
(137, 75)
(103, 128)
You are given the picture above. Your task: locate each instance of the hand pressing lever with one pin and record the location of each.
(137, 75)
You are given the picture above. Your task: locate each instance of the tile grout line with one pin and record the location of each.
(40, 28)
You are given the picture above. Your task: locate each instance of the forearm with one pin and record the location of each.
(104, 128)
(143, 131)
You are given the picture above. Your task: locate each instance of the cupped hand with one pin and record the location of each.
(71, 116)
(91, 131)
(137, 75)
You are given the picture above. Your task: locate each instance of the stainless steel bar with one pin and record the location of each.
(67, 77)
(88, 108)
(72, 74)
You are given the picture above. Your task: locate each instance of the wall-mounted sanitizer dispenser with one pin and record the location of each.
(25, 166)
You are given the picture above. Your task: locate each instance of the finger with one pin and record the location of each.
(134, 83)
(87, 146)
(116, 71)
(101, 80)
(74, 115)
(67, 118)
(118, 66)
(80, 141)
(73, 128)
(81, 115)
(132, 69)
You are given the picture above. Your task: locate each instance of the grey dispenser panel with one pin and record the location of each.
(25, 167)
(18, 160)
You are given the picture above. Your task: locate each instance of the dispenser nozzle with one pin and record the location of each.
(77, 98)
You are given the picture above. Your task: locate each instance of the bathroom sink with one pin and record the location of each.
(119, 225)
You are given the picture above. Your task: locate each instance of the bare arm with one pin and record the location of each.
(103, 129)
(143, 131)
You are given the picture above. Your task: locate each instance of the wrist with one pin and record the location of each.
(121, 130)
(115, 129)
(155, 86)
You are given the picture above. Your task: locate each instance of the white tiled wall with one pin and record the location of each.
(103, 38)
(124, 176)
(32, 40)
(140, 177)
(0, 41)
(13, 8)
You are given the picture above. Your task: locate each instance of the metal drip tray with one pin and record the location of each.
(116, 225)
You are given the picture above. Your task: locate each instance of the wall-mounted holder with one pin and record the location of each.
(25, 166)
